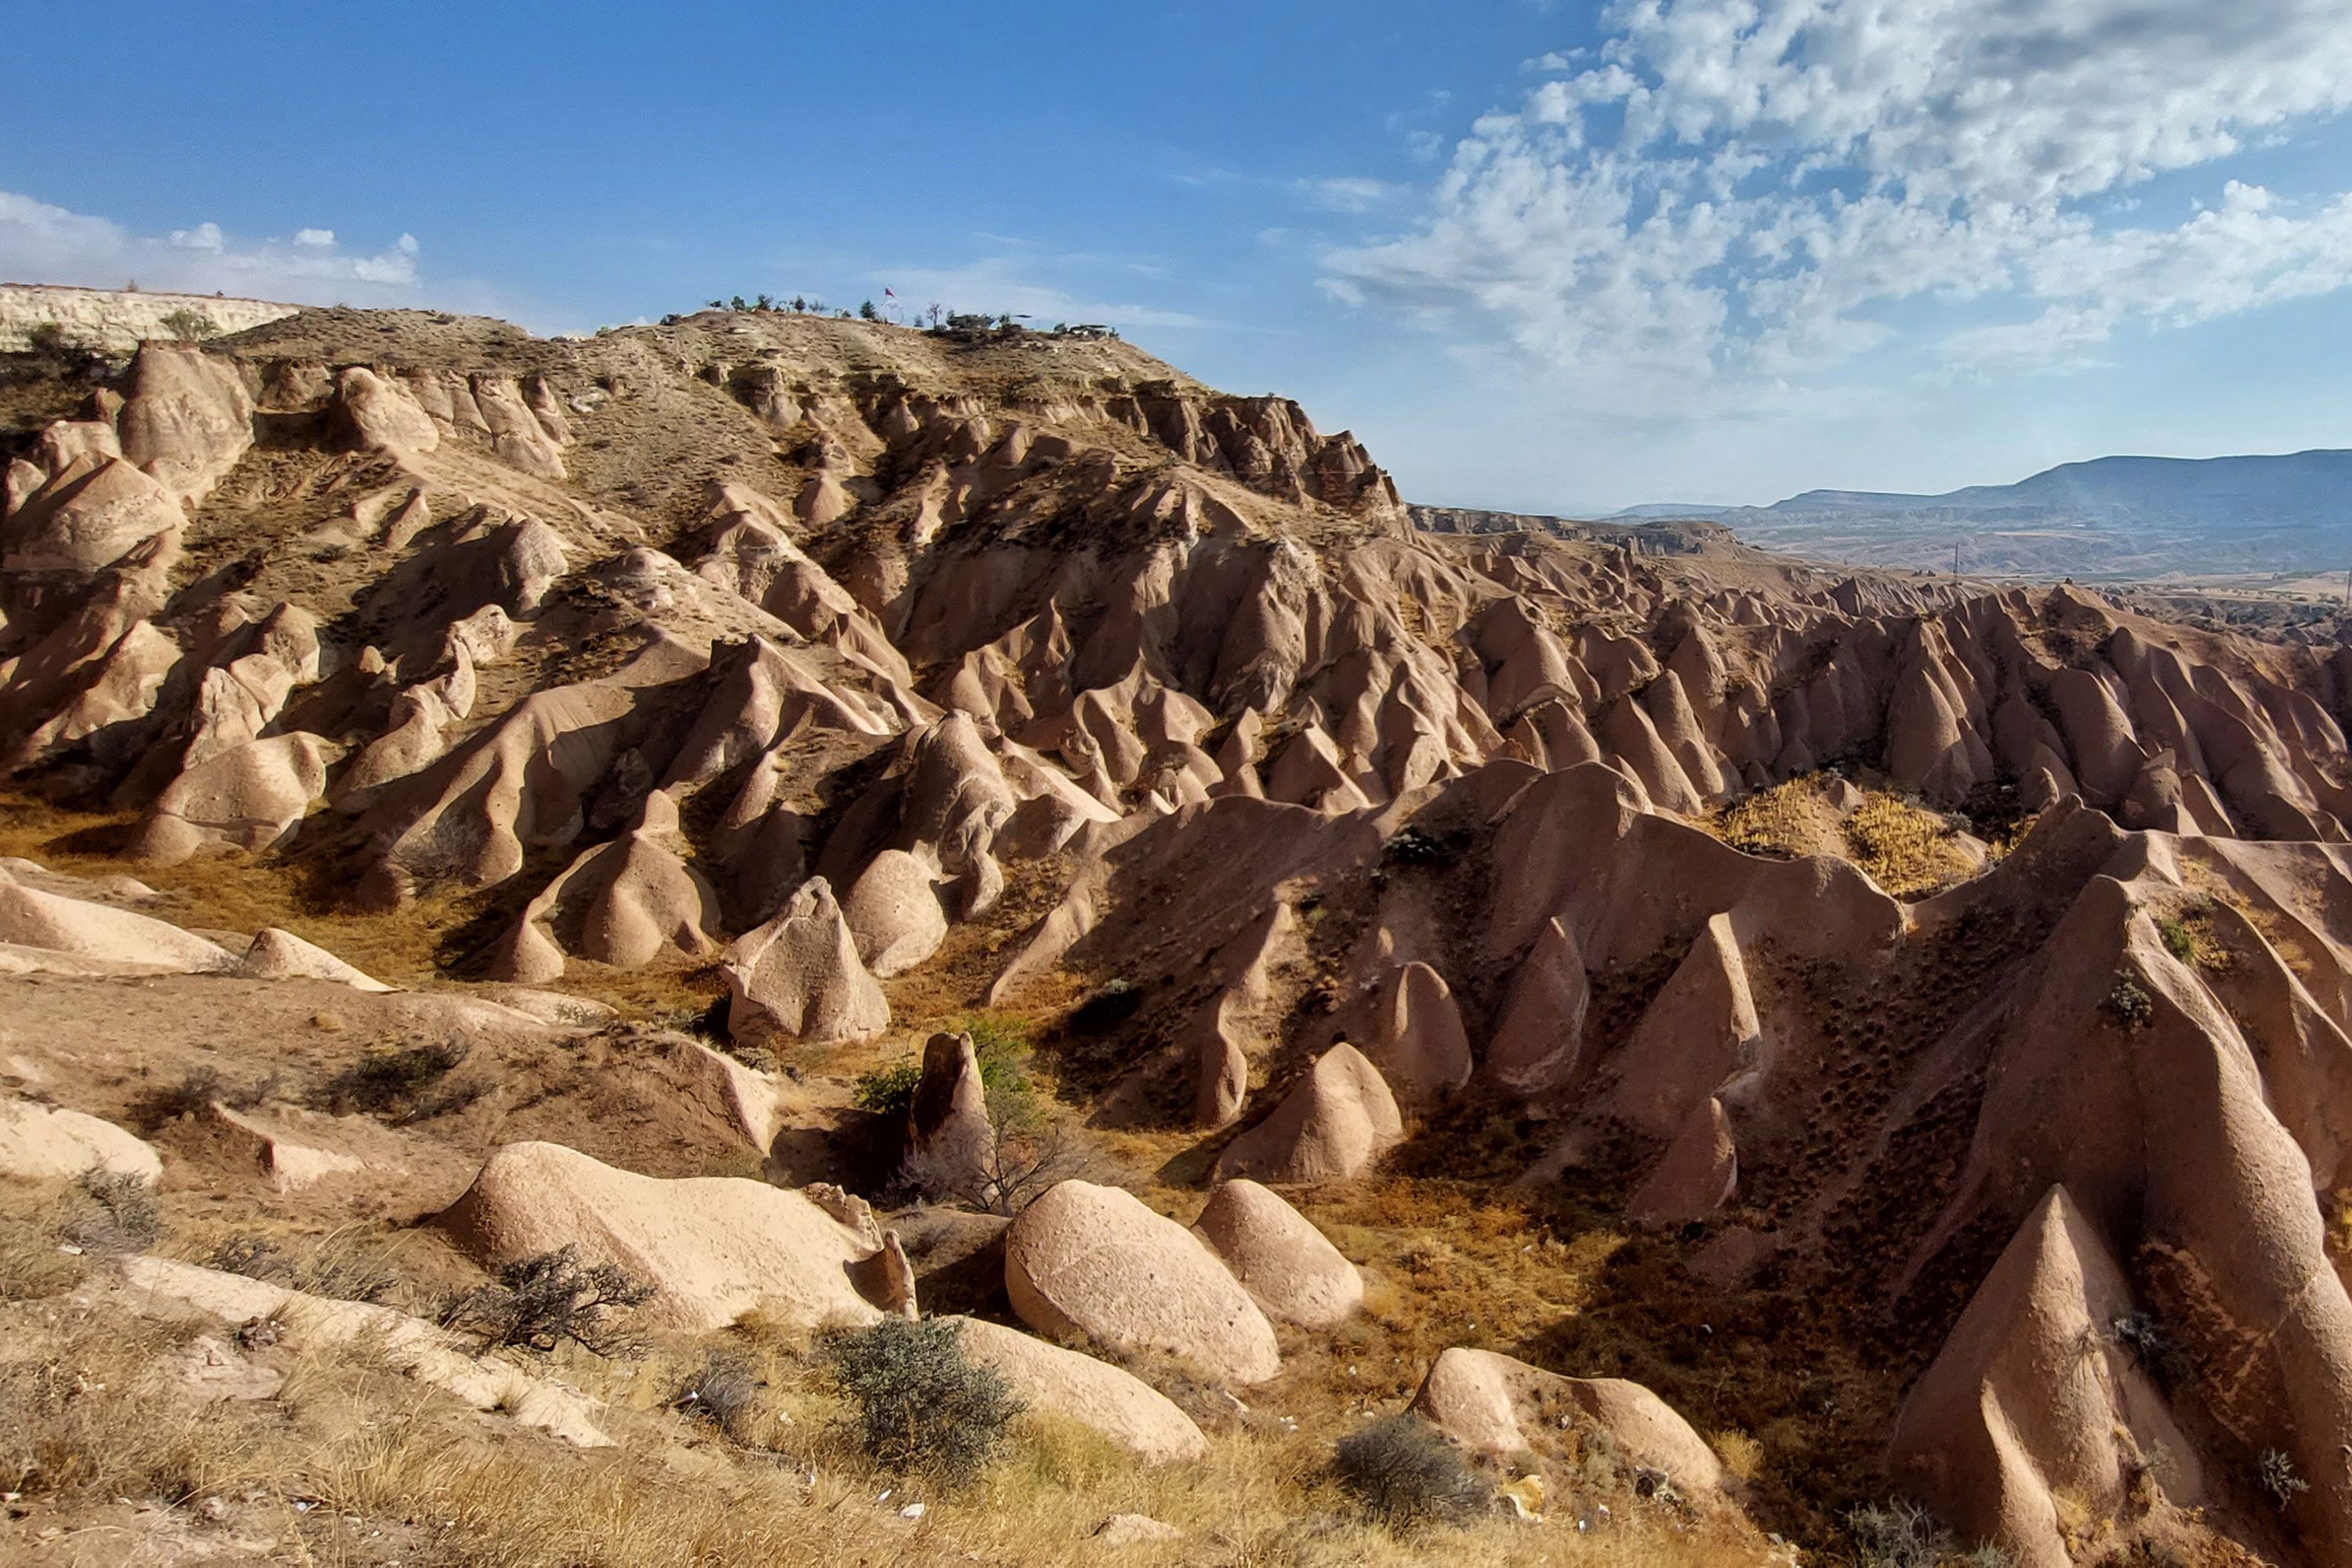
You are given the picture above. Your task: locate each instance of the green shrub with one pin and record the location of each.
(2134, 1008)
(189, 326)
(889, 1090)
(2178, 939)
(1403, 1473)
(917, 1401)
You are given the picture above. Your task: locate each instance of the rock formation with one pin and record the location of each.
(1094, 1260)
(1333, 1125)
(1804, 916)
(1290, 1269)
(799, 977)
(711, 1247)
(951, 1142)
(1491, 1403)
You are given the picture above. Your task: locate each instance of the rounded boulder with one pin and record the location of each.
(1094, 1260)
(1289, 1267)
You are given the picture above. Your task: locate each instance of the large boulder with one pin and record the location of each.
(1490, 1402)
(1331, 1128)
(1115, 1404)
(799, 977)
(250, 796)
(1094, 1260)
(1289, 1267)
(894, 913)
(40, 1142)
(712, 1247)
(31, 918)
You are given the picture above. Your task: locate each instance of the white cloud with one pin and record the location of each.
(998, 285)
(1735, 192)
(41, 243)
(1347, 193)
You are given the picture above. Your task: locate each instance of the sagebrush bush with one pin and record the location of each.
(117, 1214)
(1402, 1472)
(1900, 1534)
(2274, 1473)
(540, 1301)
(326, 1270)
(724, 1391)
(156, 1107)
(916, 1402)
(396, 1081)
(2143, 1335)
(2134, 1008)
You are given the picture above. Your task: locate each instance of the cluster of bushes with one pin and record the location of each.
(934, 318)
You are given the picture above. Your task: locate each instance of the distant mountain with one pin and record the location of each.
(2116, 517)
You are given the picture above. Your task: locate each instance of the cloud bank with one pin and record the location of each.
(1732, 195)
(40, 242)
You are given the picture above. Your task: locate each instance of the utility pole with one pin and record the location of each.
(1956, 561)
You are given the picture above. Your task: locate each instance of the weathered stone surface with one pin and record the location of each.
(1330, 1127)
(1289, 1267)
(1094, 1260)
(799, 977)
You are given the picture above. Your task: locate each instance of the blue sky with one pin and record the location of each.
(1546, 257)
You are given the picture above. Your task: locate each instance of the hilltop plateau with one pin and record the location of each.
(554, 885)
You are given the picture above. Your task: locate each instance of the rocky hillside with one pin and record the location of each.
(1730, 1044)
(117, 320)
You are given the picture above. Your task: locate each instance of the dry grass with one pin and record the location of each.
(36, 1223)
(1794, 818)
(233, 892)
(1907, 850)
(94, 1405)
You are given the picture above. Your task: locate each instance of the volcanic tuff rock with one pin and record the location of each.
(711, 1247)
(1094, 1260)
(1119, 1405)
(39, 1141)
(1333, 1125)
(1490, 1404)
(1001, 669)
(1289, 1267)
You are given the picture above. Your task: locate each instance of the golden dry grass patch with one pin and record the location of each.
(1907, 848)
